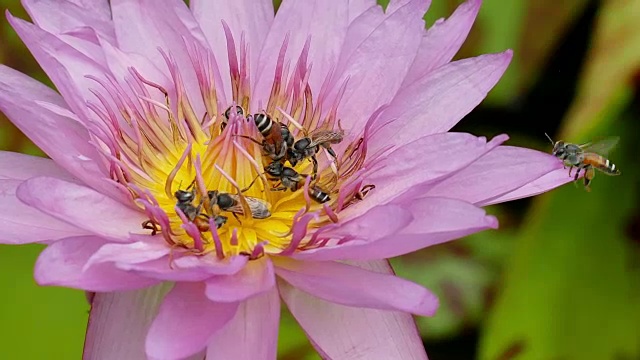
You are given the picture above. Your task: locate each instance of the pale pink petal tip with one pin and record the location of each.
(492, 222)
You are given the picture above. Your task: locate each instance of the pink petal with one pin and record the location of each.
(500, 171)
(436, 102)
(186, 322)
(132, 253)
(120, 321)
(353, 286)
(358, 7)
(255, 326)
(376, 64)
(187, 268)
(66, 67)
(252, 18)
(420, 162)
(22, 224)
(436, 220)
(60, 17)
(255, 278)
(421, 9)
(340, 332)
(100, 7)
(376, 223)
(16, 166)
(142, 27)
(443, 40)
(540, 185)
(62, 264)
(82, 206)
(323, 22)
(29, 105)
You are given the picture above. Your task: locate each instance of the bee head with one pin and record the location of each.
(184, 196)
(239, 111)
(559, 149)
(274, 169)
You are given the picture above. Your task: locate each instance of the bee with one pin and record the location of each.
(202, 222)
(193, 213)
(276, 136)
(288, 177)
(232, 203)
(318, 195)
(586, 157)
(309, 146)
(227, 115)
(291, 180)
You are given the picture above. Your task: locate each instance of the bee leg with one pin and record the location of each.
(330, 151)
(237, 218)
(588, 176)
(575, 178)
(570, 168)
(281, 188)
(315, 167)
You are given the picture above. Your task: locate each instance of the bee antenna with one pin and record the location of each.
(190, 185)
(549, 137)
(252, 182)
(250, 138)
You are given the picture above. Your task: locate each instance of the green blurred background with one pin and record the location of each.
(558, 281)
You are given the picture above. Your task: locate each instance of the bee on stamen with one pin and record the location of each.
(309, 146)
(233, 204)
(185, 199)
(586, 157)
(276, 136)
(288, 179)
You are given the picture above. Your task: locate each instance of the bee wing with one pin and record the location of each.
(601, 147)
(236, 207)
(259, 208)
(325, 136)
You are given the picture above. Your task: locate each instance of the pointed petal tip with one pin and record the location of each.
(508, 55)
(430, 305)
(492, 222)
(497, 140)
(472, 4)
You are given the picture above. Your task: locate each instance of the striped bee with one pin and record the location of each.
(586, 157)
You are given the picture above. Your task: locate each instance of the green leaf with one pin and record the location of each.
(37, 322)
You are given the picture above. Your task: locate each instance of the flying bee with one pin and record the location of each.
(233, 204)
(586, 157)
(309, 146)
(228, 113)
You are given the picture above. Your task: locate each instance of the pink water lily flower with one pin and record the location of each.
(190, 226)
